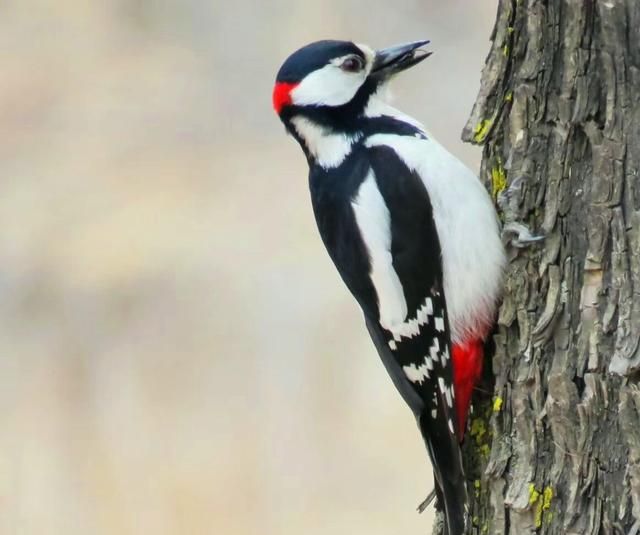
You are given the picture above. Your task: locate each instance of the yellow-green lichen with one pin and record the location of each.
(541, 503)
(497, 404)
(505, 50)
(480, 435)
(478, 429)
(547, 496)
(548, 517)
(498, 179)
(533, 494)
(510, 29)
(481, 130)
(509, 96)
(538, 515)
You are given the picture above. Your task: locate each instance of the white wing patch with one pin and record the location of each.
(417, 374)
(373, 219)
(434, 350)
(411, 327)
(447, 392)
(449, 397)
(473, 255)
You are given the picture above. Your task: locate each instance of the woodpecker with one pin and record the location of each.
(411, 231)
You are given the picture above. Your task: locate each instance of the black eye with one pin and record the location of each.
(352, 64)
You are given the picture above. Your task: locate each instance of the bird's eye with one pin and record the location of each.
(352, 64)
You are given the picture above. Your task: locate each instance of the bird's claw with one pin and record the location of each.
(519, 235)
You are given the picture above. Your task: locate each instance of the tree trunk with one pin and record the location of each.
(556, 446)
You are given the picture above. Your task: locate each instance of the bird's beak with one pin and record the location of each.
(394, 59)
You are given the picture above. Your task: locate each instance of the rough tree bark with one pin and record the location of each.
(557, 441)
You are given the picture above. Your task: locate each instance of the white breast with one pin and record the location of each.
(473, 256)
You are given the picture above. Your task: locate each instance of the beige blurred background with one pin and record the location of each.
(177, 353)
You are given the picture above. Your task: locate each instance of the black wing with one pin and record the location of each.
(418, 355)
(421, 346)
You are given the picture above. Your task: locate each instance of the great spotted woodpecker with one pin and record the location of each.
(411, 230)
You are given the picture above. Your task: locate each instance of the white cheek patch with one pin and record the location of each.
(328, 86)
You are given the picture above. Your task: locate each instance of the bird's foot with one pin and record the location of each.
(519, 235)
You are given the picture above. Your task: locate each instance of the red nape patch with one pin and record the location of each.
(282, 95)
(467, 368)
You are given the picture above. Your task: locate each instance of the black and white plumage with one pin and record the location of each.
(410, 229)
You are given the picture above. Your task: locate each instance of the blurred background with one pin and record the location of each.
(177, 353)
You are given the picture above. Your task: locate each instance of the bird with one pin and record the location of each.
(411, 230)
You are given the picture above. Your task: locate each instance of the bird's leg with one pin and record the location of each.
(423, 506)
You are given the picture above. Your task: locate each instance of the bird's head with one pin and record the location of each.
(331, 82)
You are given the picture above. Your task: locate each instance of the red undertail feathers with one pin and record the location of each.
(467, 369)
